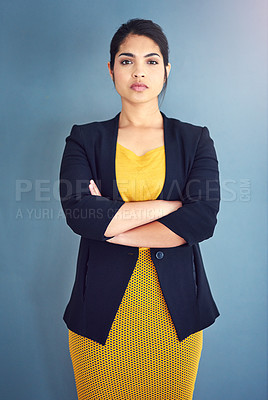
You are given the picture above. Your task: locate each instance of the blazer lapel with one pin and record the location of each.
(175, 177)
(106, 154)
(175, 168)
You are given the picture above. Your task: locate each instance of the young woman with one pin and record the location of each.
(142, 190)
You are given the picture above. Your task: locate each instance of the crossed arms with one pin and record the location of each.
(135, 223)
(153, 223)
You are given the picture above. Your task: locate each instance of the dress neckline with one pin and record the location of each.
(135, 155)
(170, 156)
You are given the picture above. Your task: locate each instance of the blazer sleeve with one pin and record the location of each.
(195, 221)
(87, 215)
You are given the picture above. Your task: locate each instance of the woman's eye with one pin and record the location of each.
(125, 62)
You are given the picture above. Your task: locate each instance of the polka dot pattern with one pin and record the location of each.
(142, 357)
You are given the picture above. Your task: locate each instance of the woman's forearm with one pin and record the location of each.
(137, 213)
(153, 234)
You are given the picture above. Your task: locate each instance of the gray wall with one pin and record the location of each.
(54, 74)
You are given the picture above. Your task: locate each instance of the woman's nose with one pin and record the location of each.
(138, 74)
(138, 71)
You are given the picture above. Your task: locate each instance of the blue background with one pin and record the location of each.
(54, 74)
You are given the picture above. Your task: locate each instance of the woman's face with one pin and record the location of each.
(139, 71)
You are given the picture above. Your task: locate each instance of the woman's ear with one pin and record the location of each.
(110, 71)
(168, 67)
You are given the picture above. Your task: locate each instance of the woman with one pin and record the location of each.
(142, 190)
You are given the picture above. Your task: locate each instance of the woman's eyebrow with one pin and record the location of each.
(132, 55)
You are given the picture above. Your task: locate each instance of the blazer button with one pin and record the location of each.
(159, 255)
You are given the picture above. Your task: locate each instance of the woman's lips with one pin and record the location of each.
(138, 87)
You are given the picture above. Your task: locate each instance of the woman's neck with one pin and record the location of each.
(140, 115)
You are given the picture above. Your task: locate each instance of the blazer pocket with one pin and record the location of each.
(86, 274)
(194, 274)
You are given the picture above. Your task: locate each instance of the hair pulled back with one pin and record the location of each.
(142, 27)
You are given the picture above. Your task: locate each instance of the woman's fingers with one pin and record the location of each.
(94, 188)
(97, 192)
(91, 188)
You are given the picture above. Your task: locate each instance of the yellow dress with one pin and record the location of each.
(142, 357)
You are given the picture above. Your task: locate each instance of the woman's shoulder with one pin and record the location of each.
(95, 126)
(184, 131)
(95, 131)
(182, 125)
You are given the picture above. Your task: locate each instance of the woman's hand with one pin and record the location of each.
(152, 235)
(94, 188)
(134, 214)
(175, 204)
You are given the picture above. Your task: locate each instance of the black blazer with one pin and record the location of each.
(103, 268)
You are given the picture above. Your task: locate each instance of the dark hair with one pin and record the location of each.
(142, 27)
